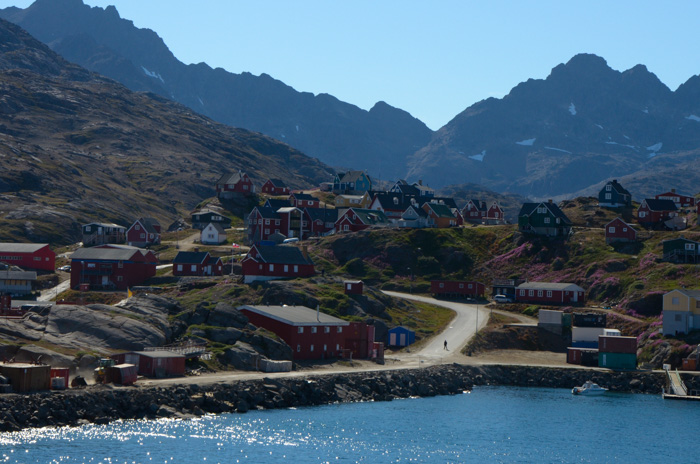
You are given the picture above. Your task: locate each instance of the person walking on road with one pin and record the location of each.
(446, 345)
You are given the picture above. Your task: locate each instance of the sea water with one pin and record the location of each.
(490, 424)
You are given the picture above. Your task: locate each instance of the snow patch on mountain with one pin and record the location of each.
(656, 147)
(645, 110)
(622, 145)
(557, 149)
(152, 74)
(479, 156)
(599, 126)
(692, 117)
(200, 101)
(526, 142)
(572, 109)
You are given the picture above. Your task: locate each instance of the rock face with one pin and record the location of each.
(92, 140)
(338, 133)
(102, 404)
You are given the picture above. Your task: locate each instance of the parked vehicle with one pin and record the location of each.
(502, 299)
(64, 268)
(290, 240)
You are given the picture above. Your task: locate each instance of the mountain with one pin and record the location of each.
(582, 124)
(337, 133)
(78, 147)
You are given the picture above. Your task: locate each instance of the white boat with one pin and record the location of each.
(589, 388)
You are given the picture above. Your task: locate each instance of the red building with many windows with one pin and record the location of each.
(28, 256)
(310, 333)
(273, 262)
(549, 293)
(457, 288)
(111, 267)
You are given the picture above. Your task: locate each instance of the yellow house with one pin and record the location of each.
(352, 201)
(681, 311)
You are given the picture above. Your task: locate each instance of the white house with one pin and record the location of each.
(213, 234)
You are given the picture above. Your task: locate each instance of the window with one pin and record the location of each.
(267, 222)
(326, 330)
(314, 330)
(549, 293)
(121, 264)
(91, 265)
(137, 227)
(642, 214)
(286, 268)
(461, 285)
(546, 220)
(346, 227)
(624, 229)
(193, 268)
(608, 188)
(179, 267)
(539, 292)
(296, 268)
(245, 187)
(120, 278)
(300, 330)
(689, 246)
(325, 347)
(311, 348)
(337, 347)
(340, 330)
(142, 235)
(349, 287)
(88, 228)
(678, 318)
(298, 348)
(37, 258)
(608, 196)
(442, 285)
(530, 293)
(522, 292)
(267, 231)
(675, 300)
(272, 267)
(470, 286)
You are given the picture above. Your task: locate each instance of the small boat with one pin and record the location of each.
(589, 388)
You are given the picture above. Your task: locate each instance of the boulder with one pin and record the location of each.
(33, 353)
(225, 315)
(242, 356)
(227, 336)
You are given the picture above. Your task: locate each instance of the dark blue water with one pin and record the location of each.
(491, 424)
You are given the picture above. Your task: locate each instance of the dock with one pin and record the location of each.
(676, 389)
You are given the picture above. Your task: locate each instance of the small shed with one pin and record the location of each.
(401, 336)
(122, 374)
(27, 377)
(158, 364)
(353, 287)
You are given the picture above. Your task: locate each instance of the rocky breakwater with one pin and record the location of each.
(102, 404)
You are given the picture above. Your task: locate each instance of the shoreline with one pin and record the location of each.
(101, 404)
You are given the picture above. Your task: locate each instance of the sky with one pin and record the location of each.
(431, 58)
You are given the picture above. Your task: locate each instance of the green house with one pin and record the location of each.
(681, 250)
(544, 218)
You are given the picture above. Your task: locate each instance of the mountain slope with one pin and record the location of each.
(338, 133)
(78, 147)
(584, 123)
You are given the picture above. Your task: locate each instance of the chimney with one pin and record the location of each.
(420, 181)
(550, 200)
(196, 249)
(673, 190)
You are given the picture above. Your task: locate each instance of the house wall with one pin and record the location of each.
(253, 270)
(43, 259)
(468, 288)
(543, 296)
(131, 273)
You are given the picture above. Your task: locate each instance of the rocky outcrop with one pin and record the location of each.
(102, 404)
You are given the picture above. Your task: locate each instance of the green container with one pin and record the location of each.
(617, 360)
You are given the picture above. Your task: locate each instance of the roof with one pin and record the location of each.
(659, 205)
(295, 315)
(478, 204)
(277, 203)
(419, 211)
(190, 257)
(267, 212)
(216, 226)
(351, 176)
(158, 354)
(282, 254)
(449, 201)
(673, 194)
(691, 293)
(304, 196)
(105, 224)
(394, 201)
(231, 178)
(288, 209)
(149, 224)
(324, 214)
(277, 182)
(441, 210)
(423, 188)
(618, 188)
(528, 208)
(17, 275)
(21, 247)
(370, 216)
(107, 254)
(549, 286)
(352, 281)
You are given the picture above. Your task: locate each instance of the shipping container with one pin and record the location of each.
(617, 344)
(590, 320)
(27, 377)
(582, 356)
(586, 334)
(690, 364)
(268, 365)
(122, 374)
(617, 360)
(612, 333)
(59, 372)
(584, 344)
(548, 316)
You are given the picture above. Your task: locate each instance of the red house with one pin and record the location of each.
(618, 230)
(197, 263)
(28, 256)
(264, 222)
(111, 267)
(355, 219)
(353, 287)
(275, 187)
(457, 288)
(320, 221)
(652, 211)
(156, 364)
(681, 201)
(304, 200)
(474, 211)
(276, 262)
(144, 232)
(495, 214)
(234, 184)
(549, 293)
(310, 333)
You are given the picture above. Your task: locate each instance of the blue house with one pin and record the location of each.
(352, 182)
(401, 336)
